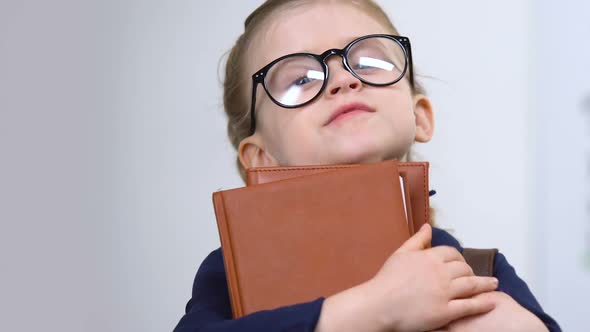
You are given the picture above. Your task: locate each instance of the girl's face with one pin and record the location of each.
(305, 135)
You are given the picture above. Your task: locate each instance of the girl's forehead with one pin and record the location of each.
(312, 29)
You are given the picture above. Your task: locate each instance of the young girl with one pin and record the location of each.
(355, 101)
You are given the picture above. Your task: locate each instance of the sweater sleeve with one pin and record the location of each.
(509, 282)
(209, 309)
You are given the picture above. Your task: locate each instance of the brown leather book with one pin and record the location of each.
(415, 176)
(292, 241)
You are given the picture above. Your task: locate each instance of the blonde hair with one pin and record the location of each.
(237, 83)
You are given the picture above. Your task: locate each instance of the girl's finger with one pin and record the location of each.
(464, 287)
(447, 254)
(470, 306)
(457, 269)
(419, 241)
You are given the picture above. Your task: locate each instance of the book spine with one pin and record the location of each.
(228, 256)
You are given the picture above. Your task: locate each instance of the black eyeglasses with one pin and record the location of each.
(295, 80)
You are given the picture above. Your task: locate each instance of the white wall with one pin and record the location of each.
(561, 102)
(113, 139)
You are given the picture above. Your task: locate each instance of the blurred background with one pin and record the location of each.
(112, 139)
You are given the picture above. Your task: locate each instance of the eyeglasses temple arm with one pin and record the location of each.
(252, 107)
(410, 62)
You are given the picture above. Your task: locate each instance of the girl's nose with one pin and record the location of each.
(340, 80)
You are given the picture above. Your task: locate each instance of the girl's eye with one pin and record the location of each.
(306, 79)
(373, 64)
(299, 79)
(302, 81)
(360, 66)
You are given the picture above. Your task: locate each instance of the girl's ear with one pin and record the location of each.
(252, 153)
(424, 118)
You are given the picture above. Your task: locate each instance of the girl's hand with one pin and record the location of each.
(420, 289)
(507, 316)
(417, 289)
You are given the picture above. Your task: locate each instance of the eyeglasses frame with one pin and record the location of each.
(258, 77)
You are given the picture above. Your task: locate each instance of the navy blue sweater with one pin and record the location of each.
(209, 309)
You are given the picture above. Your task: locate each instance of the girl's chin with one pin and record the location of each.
(357, 157)
(359, 154)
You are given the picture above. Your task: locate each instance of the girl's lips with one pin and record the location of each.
(348, 110)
